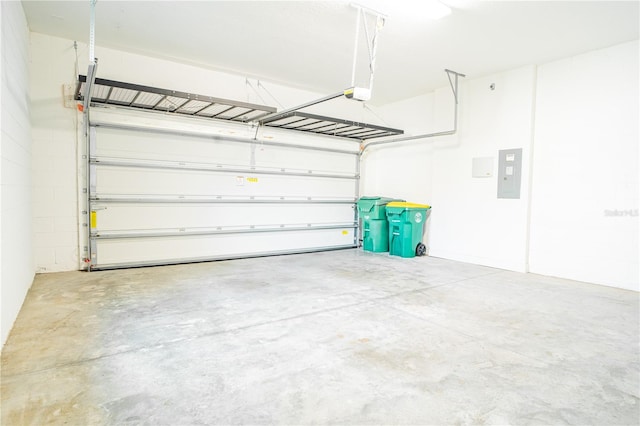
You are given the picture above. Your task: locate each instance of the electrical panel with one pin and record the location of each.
(509, 173)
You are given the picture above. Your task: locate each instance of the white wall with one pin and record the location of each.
(586, 165)
(579, 119)
(15, 225)
(57, 144)
(468, 222)
(402, 171)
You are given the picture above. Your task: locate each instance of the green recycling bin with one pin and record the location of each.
(406, 225)
(375, 228)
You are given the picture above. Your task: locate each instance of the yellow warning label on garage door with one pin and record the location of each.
(94, 219)
(345, 232)
(252, 179)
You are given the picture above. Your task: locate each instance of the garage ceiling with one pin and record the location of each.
(309, 44)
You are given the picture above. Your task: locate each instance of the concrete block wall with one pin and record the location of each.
(16, 260)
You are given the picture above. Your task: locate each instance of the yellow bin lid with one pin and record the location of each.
(403, 204)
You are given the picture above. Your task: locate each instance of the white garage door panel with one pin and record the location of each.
(126, 217)
(205, 129)
(136, 181)
(149, 146)
(115, 143)
(170, 250)
(158, 196)
(278, 157)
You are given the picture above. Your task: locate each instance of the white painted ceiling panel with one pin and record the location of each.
(309, 44)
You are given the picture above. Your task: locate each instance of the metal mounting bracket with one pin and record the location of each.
(454, 83)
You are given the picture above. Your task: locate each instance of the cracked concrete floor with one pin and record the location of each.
(341, 337)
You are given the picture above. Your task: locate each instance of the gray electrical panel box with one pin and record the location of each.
(509, 173)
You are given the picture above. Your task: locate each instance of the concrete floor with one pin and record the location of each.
(339, 337)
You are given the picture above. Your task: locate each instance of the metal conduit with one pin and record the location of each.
(454, 89)
(272, 116)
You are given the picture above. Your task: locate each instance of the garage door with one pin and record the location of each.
(165, 191)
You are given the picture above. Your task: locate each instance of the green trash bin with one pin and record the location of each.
(375, 228)
(406, 225)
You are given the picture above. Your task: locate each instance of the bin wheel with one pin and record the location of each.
(421, 249)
